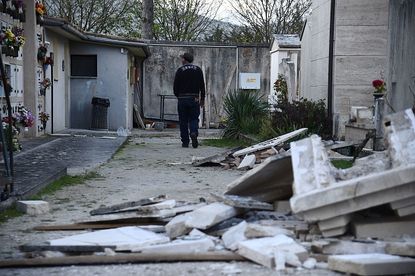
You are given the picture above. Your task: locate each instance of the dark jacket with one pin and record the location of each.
(189, 81)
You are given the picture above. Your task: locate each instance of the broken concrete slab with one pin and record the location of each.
(123, 238)
(234, 235)
(188, 207)
(343, 247)
(177, 226)
(269, 181)
(384, 227)
(254, 230)
(406, 211)
(33, 207)
(372, 264)
(179, 246)
(248, 162)
(262, 250)
(270, 143)
(406, 248)
(242, 202)
(209, 215)
(400, 133)
(307, 155)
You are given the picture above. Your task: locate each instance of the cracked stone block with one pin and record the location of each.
(33, 207)
(179, 246)
(177, 226)
(234, 235)
(210, 215)
(248, 162)
(336, 222)
(406, 248)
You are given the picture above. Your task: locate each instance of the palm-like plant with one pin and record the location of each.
(245, 111)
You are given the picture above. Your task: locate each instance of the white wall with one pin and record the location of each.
(315, 52)
(61, 85)
(361, 35)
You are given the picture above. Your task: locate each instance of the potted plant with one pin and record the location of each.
(40, 11)
(45, 84)
(12, 40)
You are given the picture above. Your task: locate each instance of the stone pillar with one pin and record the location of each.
(379, 144)
(30, 64)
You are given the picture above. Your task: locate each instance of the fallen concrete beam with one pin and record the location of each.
(166, 204)
(384, 227)
(372, 264)
(210, 215)
(269, 181)
(123, 259)
(270, 143)
(356, 194)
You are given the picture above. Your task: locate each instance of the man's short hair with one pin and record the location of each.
(187, 56)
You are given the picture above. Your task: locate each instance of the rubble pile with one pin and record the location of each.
(291, 210)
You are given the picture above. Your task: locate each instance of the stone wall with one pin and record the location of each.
(401, 70)
(220, 65)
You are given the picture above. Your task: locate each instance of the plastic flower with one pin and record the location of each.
(43, 117)
(40, 9)
(379, 85)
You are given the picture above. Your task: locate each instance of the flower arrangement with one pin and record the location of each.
(380, 86)
(16, 146)
(12, 37)
(40, 8)
(41, 53)
(24, 117)
(43, 117)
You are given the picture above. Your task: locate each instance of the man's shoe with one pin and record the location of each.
(195, 143)
(185, 145)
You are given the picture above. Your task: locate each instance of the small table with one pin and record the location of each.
(163, 97)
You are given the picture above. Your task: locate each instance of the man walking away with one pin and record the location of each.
(189, 88)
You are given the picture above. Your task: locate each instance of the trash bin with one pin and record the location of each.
(100, 113)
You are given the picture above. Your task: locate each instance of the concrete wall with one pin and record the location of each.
(111, 82)
(220, 66)
(401, 71)
(276, 66)
(315, 52)
(361, 34)
(59, 46)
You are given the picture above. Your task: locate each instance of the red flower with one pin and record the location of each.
(378, 83)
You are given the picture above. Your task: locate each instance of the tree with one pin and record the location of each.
(266, 17)
(147, 19)
(97, 16)
(182, 20)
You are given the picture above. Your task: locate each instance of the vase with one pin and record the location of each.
(378, 95)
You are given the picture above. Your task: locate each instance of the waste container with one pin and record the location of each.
(100, 113)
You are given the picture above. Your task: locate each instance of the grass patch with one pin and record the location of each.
(64, 181)
(9, 213)
(225, 143)
(342, 164)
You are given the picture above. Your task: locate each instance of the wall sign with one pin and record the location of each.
(250, 80)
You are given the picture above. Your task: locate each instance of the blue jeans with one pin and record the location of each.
(189, 111)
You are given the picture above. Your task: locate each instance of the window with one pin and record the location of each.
(84, 66)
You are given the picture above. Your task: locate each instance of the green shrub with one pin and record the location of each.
(289, 116)
(245, 110)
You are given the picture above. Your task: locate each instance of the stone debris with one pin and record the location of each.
(33, 207)
(290, 211)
